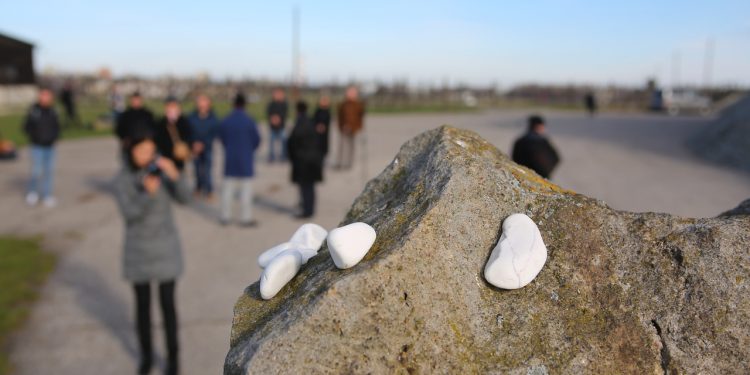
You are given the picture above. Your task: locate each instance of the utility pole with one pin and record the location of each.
(296, 69)
(708, 63)
(675, 69)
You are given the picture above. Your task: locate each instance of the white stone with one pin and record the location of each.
(279, 272)
(307, 254)
(309, 236)
(267, 256)
(349, 244)
(518, 256)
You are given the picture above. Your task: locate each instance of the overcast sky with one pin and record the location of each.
(424, 41)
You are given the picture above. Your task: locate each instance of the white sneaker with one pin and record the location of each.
(32, 198)
(50, 202)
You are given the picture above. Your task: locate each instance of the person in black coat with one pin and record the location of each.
(135, 122)
(306, 158)
(534, 151)
(322, 121)
(590, 102)
(171, 130)
(67, 97)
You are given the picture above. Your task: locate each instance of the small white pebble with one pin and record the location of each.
(349, 244)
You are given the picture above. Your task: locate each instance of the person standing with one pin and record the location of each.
(534, 150)
(276, 112)
(322, 121)
(590, 103)
(173, 134)
(116, 103)
(351, 118)
(239, 136)
(67, 97)
(42, 127)
(205, 126)
(307, 159)
(144, 189)
(135, 121)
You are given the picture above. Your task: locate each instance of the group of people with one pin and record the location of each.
(182, 138)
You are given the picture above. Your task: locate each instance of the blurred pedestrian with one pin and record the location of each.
(590, 102)
(239, 136)
(116, 103)
(350, 117)
(67, 97)
(152, 253)
(307, 159)
(205, 127)
(42, 127)
(173, 134)
(534, 150)
(135, 121)
(322, 121)
(276, 112)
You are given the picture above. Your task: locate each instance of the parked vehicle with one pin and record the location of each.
(686, 102)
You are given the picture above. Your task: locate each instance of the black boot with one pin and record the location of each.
(171, 367)
(145, 367)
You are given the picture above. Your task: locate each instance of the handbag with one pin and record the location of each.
(180, 149)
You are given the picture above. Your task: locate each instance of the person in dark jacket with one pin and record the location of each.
(42, 127)
(322, 121)
(205, 126)
(136, 120)
(67, 97)
(534, 151)
(152, 253)
(239, 136)
(173, 134)
(276, 112)
(307, 159)
(590, 102)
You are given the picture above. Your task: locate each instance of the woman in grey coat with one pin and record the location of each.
(144, 189)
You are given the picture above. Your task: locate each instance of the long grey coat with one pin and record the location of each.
(152, 245)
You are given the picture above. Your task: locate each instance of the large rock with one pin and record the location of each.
(727, 139)
(621, 292)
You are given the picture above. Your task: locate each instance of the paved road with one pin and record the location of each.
(83, 322)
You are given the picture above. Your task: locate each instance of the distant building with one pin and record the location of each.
(17, 78)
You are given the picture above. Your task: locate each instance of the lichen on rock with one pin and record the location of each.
(620, 293)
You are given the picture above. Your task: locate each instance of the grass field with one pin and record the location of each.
(23, 268)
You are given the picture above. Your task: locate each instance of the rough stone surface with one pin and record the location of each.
(727, 140)
(620, 293)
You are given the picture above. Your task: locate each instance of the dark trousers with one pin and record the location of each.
(202, 165)
(143, 324)
(307, 194)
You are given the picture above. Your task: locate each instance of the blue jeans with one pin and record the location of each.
(202, 165)
(42, 170)
(277, 135)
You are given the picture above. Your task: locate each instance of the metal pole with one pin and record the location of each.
(675, 69)
(295, 53)
(708, 63)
